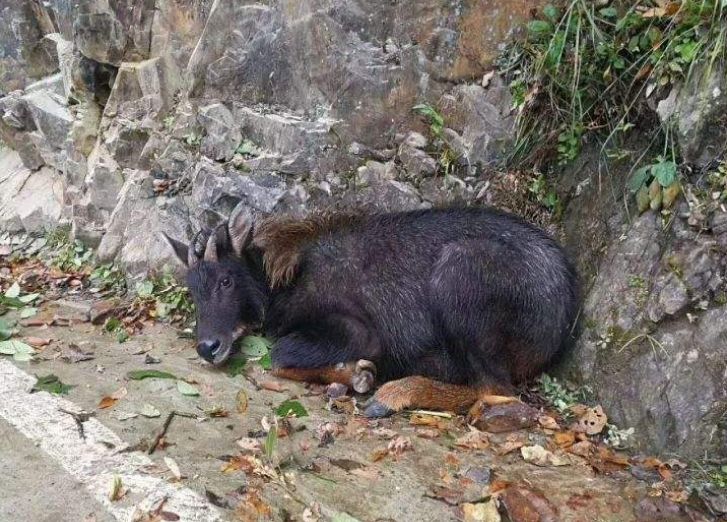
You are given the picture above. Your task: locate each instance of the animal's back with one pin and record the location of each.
(432, 284)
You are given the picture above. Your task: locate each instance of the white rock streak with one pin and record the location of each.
(91, 462)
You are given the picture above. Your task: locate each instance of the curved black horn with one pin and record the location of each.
(210, 250)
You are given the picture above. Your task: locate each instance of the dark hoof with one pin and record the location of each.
(375, 410)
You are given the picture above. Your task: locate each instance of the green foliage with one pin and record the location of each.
(446, 156)
(717, 180)
(139, 375)
(169, 299)
(256, 348)
(719, 477)
(193, 139)
(169, 122)
(557, 394)
(544, 194)
(66, 254)
(12, 299)
(587, 69)
(108, 277)
(271, 442)
(248, 148)
(114, 326)
(19, 350)
(51, 384)
(436, 120)
(291, 408)
(655, 186)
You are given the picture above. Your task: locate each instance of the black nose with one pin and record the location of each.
(207, 348)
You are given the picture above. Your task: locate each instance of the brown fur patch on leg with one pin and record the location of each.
(424, 393)
(330, 374)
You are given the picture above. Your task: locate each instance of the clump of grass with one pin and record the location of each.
(586, 69)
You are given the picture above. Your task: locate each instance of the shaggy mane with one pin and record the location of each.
(282, 240)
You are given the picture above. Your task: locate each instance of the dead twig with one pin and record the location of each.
(80, 418)
(165, 427)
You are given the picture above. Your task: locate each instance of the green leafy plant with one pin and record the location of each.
(545, 194)
(587, 69)
(291, 408)
(108, 277)
(12, 299)
(51, 384)
(557, 394)
(138, 375)
(169, 299)
(66, 254)
(436, 120)
(113, 325)
(655, 186)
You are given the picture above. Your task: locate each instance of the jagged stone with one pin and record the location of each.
(416, 162)
(51, 117)
(142, 91)
(222, 132)
(29, 200)
(98, 33)
(698, 108)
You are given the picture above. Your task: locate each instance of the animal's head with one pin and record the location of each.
(226, 284)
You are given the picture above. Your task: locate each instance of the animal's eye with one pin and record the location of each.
(226, 282)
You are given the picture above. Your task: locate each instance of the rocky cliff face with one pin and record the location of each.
(124, 118)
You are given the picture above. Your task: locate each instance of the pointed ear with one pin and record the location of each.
(240, 228)
(180, 249)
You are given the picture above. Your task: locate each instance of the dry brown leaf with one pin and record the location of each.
(578, 409)
(608, 455)
(378, 454)
(548, 422)
(564, 439)
(419, 419)
(241, 401)
(238, 463)
(107, 402)
(582, 449)
(498, 485)
(509, 446)
(591, 422)
(523, 504)
(252, 508)
(475, 439)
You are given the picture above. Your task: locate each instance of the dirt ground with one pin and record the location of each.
(330, 465)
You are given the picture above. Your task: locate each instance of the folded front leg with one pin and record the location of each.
(361, 375)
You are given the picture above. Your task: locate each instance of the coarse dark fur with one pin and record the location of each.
(475, 297)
